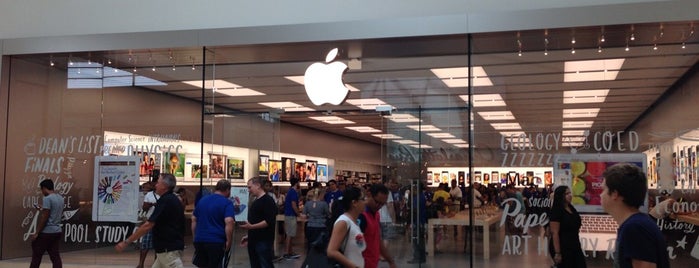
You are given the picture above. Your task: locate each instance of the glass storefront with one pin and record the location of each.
(542, 108)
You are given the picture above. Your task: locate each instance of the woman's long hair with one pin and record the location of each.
(559, 198)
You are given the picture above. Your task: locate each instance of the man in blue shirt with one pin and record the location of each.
(291, 211)
(212, 226)
(639, 242)
(333, 192)
(48, 229)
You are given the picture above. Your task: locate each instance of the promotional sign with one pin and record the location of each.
(240, 198)
(115, 193)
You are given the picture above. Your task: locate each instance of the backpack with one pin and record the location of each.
(317, 256)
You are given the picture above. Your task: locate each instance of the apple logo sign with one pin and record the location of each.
(323, 82)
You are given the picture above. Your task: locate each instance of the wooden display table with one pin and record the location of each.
(462, 219)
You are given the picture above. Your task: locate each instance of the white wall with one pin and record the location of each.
(129, 24)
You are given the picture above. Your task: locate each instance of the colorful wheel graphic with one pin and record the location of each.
(109, 190)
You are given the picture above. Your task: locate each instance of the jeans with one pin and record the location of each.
(261, 254)
(46, 242)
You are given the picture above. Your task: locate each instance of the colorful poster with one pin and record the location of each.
(311, 170)
(263, 165)
(322, 173)
(235, 169)
(240, 198)
(198, 171)
(217, 166)
(115, 192)
(287, 168)
(275, 172)
(175, 164)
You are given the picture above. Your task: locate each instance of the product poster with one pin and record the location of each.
(115, 192)
(300, 170)
(198, 171)
(311, 171)
(174, 164)
(217, 166)
(263, 169)
(235, 169)
(275, 172)
(240, 198)
(288, 168)
(322, 173)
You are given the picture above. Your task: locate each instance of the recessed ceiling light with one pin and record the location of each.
(592, 70)
(460, 145)
(573, 132)
(287, 106)
(574, 139)
(424, 128)
(441, 135)
(585, 96)
(485, 100)
(512, 133)
(299, 79)
(578, 124)
(497, 115)
(406, 141)
(457, 77)
(333, 120)
(506, 126)
(366, 104)
(363, 129)
(223, 115)
(240, 92)
(387, 136)
(454, 141)
(580, 113)
(571, 144)
(421, 146)
(402, 118)
(209, 84)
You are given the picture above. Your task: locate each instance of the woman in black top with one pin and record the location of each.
(565, 226)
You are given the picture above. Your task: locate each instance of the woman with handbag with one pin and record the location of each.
(347, 240)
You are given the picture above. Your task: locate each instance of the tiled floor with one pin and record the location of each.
(452, 255)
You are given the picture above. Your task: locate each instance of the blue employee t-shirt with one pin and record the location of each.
(640, 238)
(292, 195)
(211, 213)
(331, 196)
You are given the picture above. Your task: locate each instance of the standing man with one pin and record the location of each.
(149, 201)
(260, 225)
(333, 192)
(376, 197)
(212, 226)
(48, 229)
(291, 211)
(167, 223)
(639, 242)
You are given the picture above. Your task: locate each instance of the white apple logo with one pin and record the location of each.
(323, 82)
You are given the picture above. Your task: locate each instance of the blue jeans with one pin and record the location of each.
(261, 254)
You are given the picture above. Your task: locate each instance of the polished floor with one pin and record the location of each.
(452, 254)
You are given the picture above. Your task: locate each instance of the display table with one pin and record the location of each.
(484, 219)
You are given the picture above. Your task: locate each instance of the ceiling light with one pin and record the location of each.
(441, 135)
(575, 139)
(424, 128)
(585, 96)
(485, 100)
(506, 126)
(406, 141)
(574, 132)
(208, 84)
(633, 37)
(683, 45)
(460, 145)
(546, 52)
(366, 104)
(572, 51)
(153, 69)
(592, 70)
(402, 118)
(578, 124)
(299, 80)
(601, 39)
(580, 113)
(387, 136)
(572, 41)
(457, 76)
(333, 120)
(239, 92)
(497, 115)
(626, 48)
(520, 53)
(421, 146)
(599, 49)
(287, 106)
(512, 133)
(571, 144)
(363, 129)
(451, 141)
(655, 46)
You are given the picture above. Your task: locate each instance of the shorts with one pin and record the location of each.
(147, 240)
(290, 226)
(386, 231)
